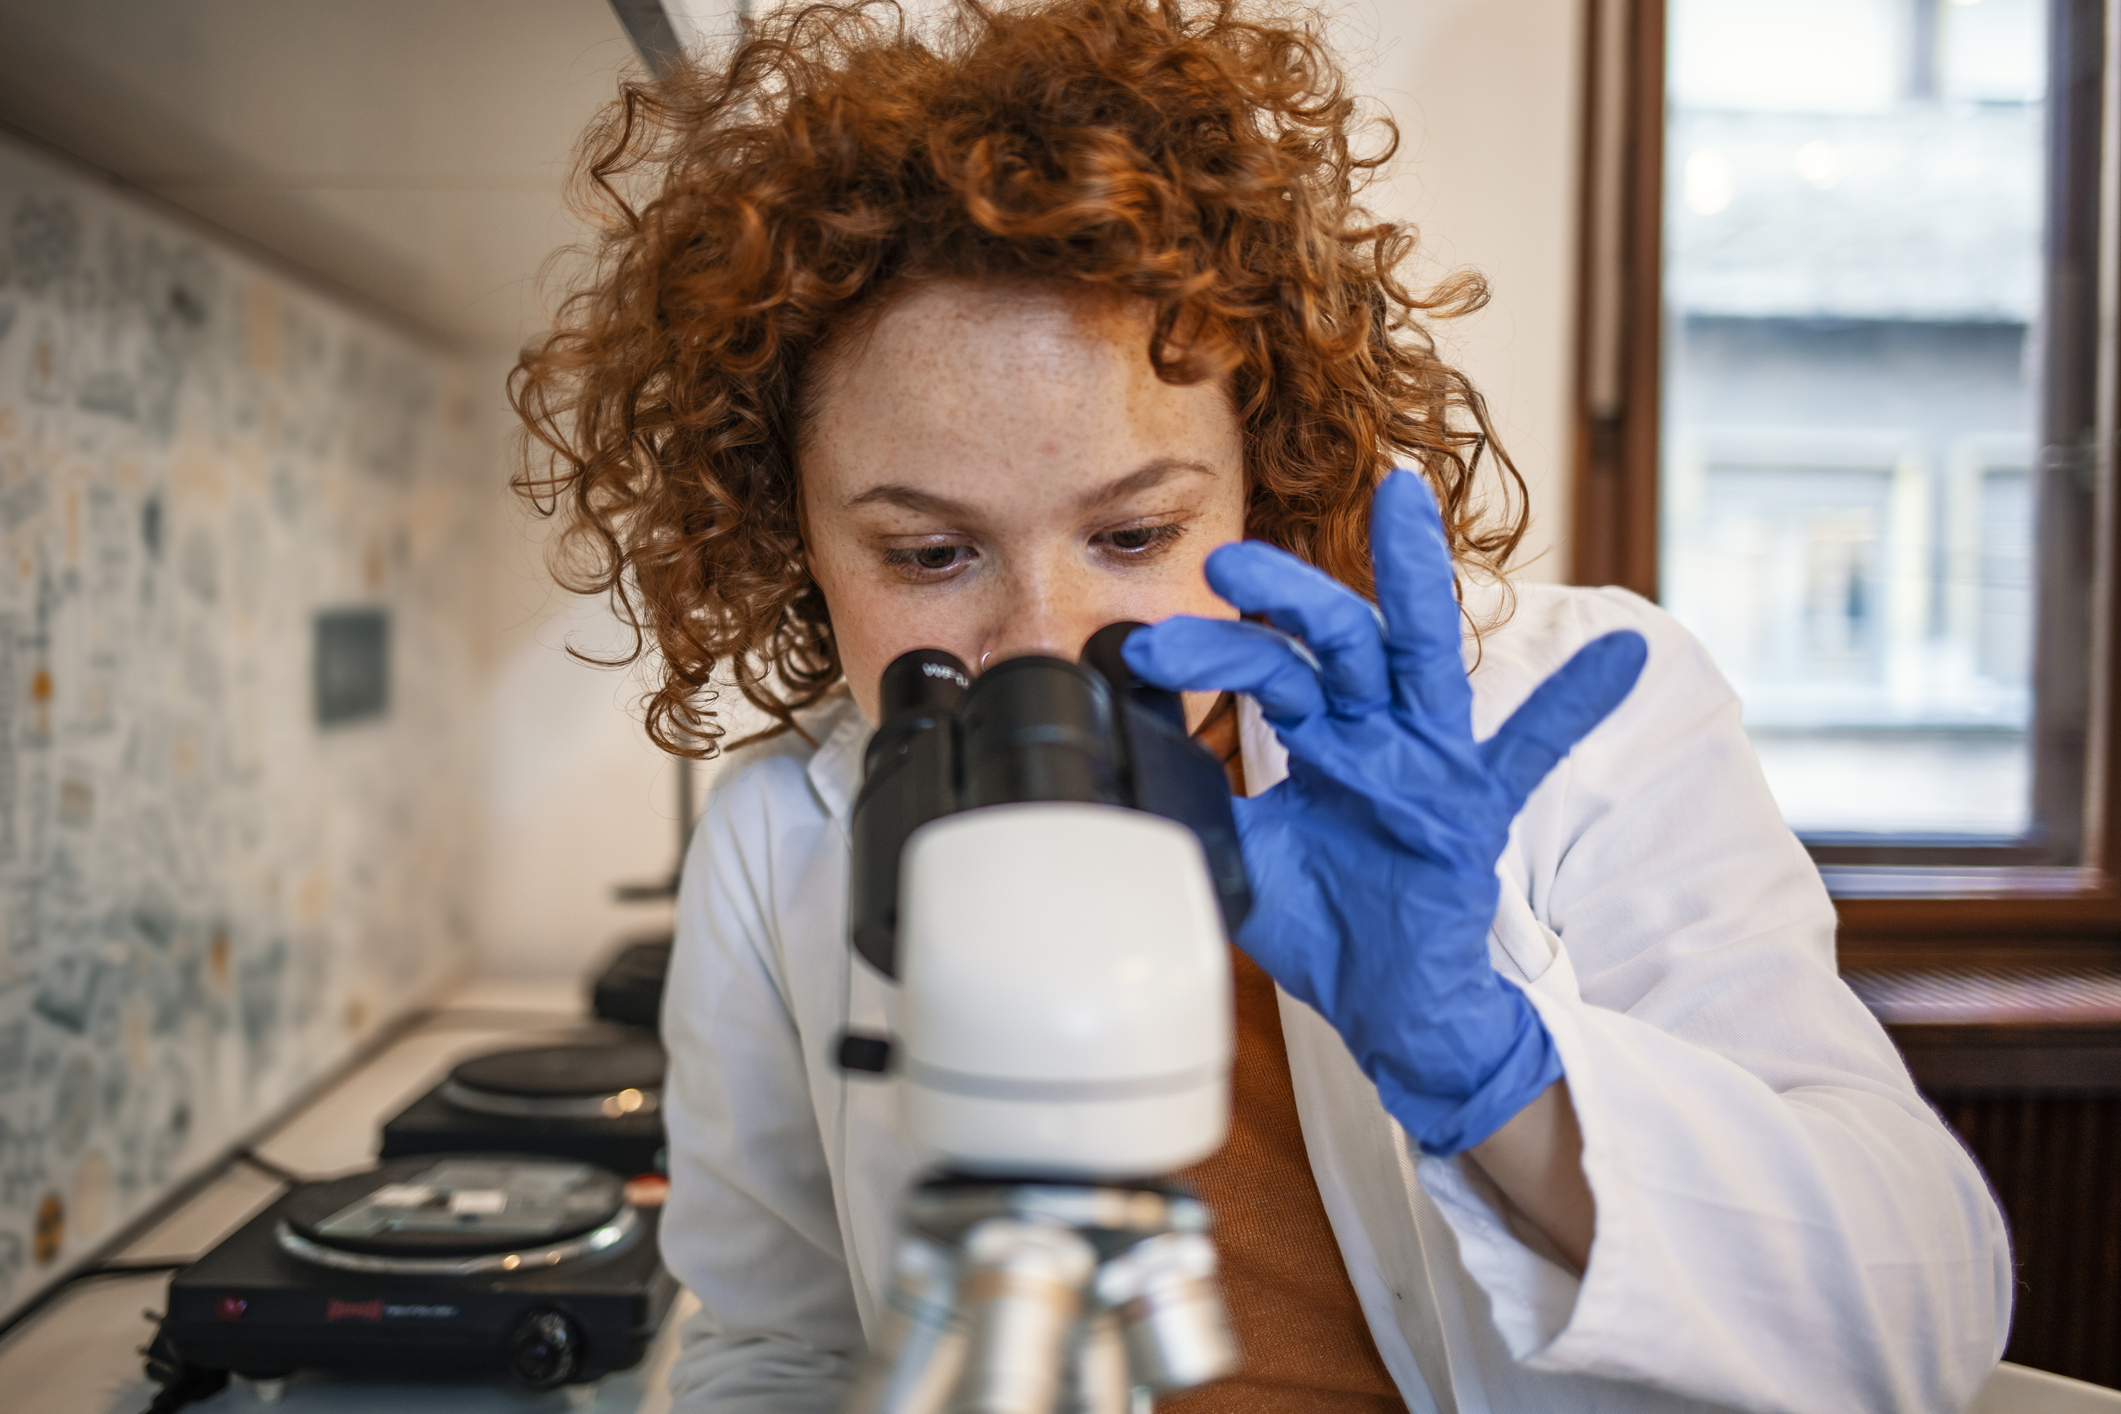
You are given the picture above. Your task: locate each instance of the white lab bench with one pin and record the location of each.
(80, 1353)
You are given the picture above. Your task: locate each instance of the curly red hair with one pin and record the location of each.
(1194, 157)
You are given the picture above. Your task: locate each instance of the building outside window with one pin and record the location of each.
(1855, 250)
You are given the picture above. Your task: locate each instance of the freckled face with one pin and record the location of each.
(1000, 472)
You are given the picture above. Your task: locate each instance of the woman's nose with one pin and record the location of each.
(1023, 640)
(1043, 615)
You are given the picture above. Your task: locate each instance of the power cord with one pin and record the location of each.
(152, 1266)
(182, 1382)
(268, 1167)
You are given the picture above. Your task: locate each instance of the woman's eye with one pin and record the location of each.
(1139, 539)
(929, 559)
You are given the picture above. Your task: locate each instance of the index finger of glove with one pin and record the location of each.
(1561, 711)
(1333, 621)
(1417, 589)
(1227, 655)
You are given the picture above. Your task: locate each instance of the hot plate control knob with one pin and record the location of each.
(545, 1349)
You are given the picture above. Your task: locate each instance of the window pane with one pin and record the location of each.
(1854, 273)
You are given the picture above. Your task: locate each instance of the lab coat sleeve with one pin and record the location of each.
(1783, 1224)
(750, 1227)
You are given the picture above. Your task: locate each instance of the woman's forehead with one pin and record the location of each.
(959, 383)
(974, 331)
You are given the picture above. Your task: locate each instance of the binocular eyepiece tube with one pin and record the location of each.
(1028, 729)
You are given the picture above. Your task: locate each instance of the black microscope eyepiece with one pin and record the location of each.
(926, 682)
(1037, 729)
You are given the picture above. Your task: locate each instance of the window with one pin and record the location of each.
(1841, 380)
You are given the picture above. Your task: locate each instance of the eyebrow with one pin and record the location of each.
(1145, 477)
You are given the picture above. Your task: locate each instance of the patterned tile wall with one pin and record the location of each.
(207, 898)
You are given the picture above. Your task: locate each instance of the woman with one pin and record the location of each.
(1547, 1095)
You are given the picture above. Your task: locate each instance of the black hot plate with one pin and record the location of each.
(630, 988)
(596, 1101)
(451, 1266)
(587, 1081)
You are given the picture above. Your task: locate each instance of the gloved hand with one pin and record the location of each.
(1373, 864)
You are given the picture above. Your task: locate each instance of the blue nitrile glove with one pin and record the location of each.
(1373, 864)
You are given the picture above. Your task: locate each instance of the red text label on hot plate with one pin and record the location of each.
(337, 1310)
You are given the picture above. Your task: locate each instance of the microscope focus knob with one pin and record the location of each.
(860, 1051)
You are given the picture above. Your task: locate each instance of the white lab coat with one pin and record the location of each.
(1783, 1224)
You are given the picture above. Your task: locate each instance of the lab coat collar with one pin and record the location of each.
(835, 769)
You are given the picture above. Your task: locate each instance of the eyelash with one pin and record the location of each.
(1157, 538)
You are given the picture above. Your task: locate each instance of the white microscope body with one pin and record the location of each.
(1066, 1004)
(1048, 867)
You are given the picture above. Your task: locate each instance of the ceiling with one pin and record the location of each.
(408, 153)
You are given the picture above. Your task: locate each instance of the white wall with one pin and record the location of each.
(1486, 93)
(577, 798)
(1488, 96)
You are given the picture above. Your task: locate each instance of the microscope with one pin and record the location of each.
(1048, 867)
